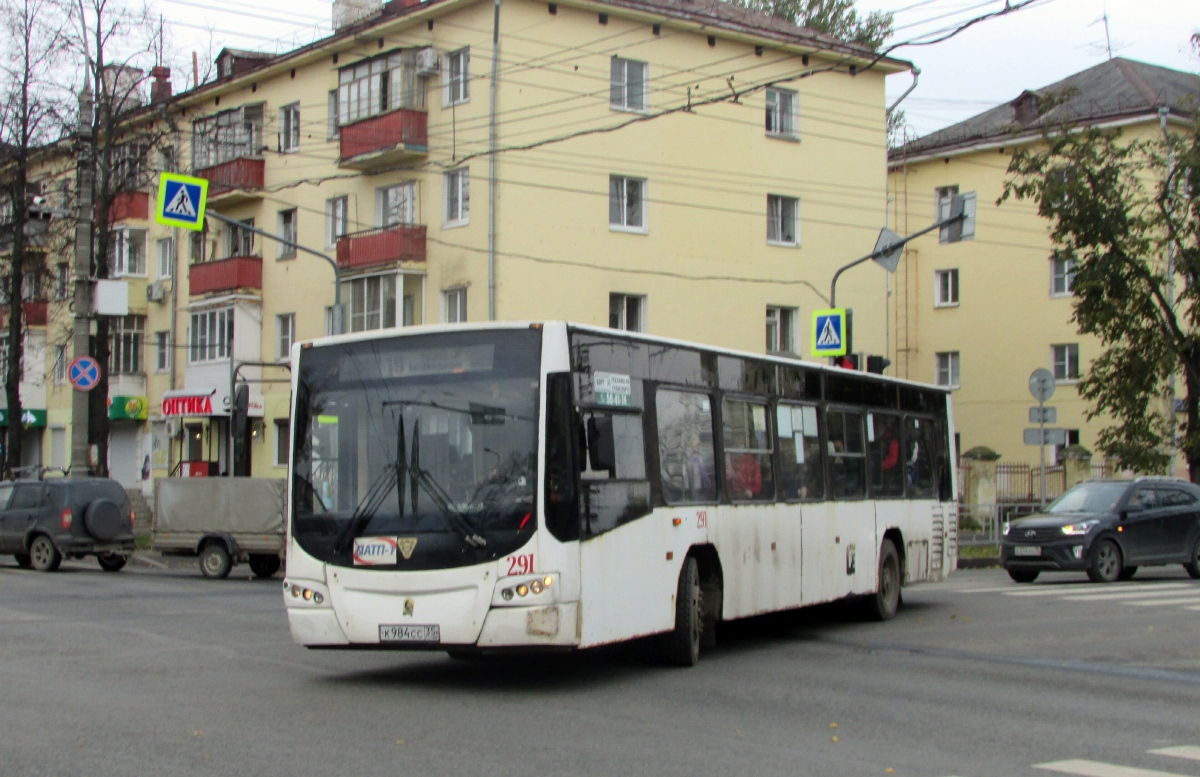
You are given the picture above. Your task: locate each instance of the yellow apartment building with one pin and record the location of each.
(980, 306)
(688, 169)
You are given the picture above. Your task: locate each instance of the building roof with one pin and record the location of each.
(1111, 91)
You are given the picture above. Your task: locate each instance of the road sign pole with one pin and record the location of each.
(1042, 448)
(82, 271)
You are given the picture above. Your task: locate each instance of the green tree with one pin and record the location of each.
(832, 17)
(1123, 212)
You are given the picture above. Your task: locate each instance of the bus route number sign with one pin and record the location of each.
(612, 389)
(520, 565)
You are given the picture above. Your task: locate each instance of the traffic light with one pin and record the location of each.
(877, 364)
(847, 362)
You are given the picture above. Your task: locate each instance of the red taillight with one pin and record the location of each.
(130, 516)
(66, 518)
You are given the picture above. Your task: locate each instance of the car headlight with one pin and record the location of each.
(1007, 527)
(1075, 529)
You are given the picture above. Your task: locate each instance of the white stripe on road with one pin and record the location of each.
(1125, 593)
(1189, 752)
(1081, 588)
(1193, 599)
(1098, 769)
(17, 616)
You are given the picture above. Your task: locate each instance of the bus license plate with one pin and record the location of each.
(1027, 550)
(409, 633)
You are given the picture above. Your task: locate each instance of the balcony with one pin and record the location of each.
(35, 313)
(398, 136)
(129, 205)
(228, 275)
(372, 247)
(238, 180)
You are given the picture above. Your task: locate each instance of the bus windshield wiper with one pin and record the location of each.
(421, 478)
(365, 510)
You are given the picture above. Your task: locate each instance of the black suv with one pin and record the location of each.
(44, 521)
(1108, 528)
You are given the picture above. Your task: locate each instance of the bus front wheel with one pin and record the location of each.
(681, 646)
(883, 604)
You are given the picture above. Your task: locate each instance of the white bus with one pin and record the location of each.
(548, 485)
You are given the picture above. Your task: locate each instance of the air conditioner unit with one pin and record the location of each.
(427, 61)
(155, 292)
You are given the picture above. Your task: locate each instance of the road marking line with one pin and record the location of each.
(1098, 769)
(1190, 752)
(1193, 599)
(1083, 589)
(1171, 590)
(16, 616)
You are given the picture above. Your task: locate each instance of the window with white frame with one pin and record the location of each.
(62, 358)
(377, 85)
(1062, 276)
(285, 331)
(227, 135)
(458, 198)
(1066, 361)
(283, 441)
(287, 230)
(199, 247)
(947, 369)
(783, 220)
(627, 90)
(626, 203)
(127, 334)
(165, 251)
(331, 117)
(627, 311)
(454, 306)
(781, 113)
(945, 288)
(959, 230)
(781, 330)
(162, 351)
(211, 334)
(372, 302)
(62, 281)
(458, 77)
(336, 220)
(127, 252)
(238, 241)
(397, 204)
(289, 128)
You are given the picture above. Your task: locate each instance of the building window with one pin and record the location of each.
(458, 76)
(211, 335)
(1062, 276)
(162, 351)
(626, 203)
(372, 302)
(126, 334)
(627, 91)
(289, 128)
(283, 441)
(335, 219)
(227, 135)
(287, 231)
(397, 204)
(238, 241)
(167, 159)
(331, 117)
(454, 306)
(166, 257)
(783, 222)
(946, 288)
(781, 113)
(374, 86)
(285, 331)
(781, 330)
(1066, 361)
(62, 358)
(62, 281)
(198, 247)
(127, 252)
(959, 230)
(627, 311)
(458, 198)
(947, 369)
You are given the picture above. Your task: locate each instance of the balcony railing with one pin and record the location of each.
(385, 139)
(236, 272)
(129, 205)
(235, 180)
(36, 313)
(399, 243)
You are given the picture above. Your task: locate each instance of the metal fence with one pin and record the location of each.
(1022, 482)
(984, 524)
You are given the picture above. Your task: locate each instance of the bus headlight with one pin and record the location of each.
(298, 594)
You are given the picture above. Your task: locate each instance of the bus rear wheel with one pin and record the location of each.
(883, 604)
(681, 646)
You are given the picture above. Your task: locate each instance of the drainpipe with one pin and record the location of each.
(916, 71)
(492, 163)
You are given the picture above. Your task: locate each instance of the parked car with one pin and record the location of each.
(1108, 528)
(44, 521)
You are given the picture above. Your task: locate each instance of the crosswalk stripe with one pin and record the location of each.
(1084, 588)
(1098, 769)
(1124, 593)
(1193, 599)
(1190, 752)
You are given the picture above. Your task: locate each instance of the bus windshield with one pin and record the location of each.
(432, 437)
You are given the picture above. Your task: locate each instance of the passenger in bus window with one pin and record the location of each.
(700, 480)
(745, 476)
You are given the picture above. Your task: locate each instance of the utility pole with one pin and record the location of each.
(83, 273)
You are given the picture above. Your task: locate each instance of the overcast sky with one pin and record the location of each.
(985, 65)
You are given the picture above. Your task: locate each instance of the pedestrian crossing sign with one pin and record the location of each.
(829, 332)
(181, 201)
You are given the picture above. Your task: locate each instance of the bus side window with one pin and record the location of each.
(614, 486)
(801, 462)
(747, 443)
(687, 462)
(883, 439)
(847, 454)
(918, 457)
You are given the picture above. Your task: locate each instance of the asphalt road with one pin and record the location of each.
(159, 672)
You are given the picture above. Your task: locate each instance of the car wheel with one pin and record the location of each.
(43, 555)
(681, 646)
(883, 604)
(112, 562)
(1127, 573)
(1193, 566)
(1023, 575)
(1106, 563)
(263, 564)
(23, 560)
(214, 561)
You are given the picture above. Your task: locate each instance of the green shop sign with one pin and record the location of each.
(128, 408)
(29, 418)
